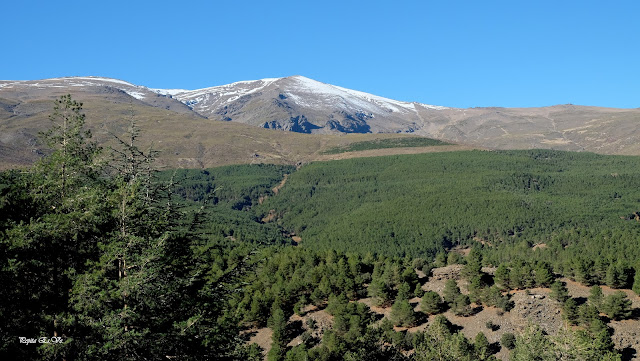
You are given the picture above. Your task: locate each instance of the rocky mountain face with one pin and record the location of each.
(303, 105)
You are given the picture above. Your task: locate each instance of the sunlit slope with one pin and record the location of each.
(184, 140)
(419, 204)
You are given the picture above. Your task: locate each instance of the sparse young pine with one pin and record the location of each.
(501, 276)
(543, 275)
(617, 306)
(461, 306)
(636, 281)
(570, 311)
(481, 344)
(559, 291)
(595, 296)
(431, 303)
(451, 291)
(508, 340)
(402, 313)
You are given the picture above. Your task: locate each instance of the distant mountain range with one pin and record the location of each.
(303, 105)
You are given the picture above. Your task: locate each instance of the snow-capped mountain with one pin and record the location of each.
(293, 103)
(95, 86)
(304, 105)
(135, 91)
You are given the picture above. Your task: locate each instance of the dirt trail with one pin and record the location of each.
(272, 213)
(277, 188)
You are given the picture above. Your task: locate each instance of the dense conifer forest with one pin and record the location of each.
(106, 258)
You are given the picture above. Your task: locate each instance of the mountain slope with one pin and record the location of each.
(303, 105)
(184, 138)
(202, 127)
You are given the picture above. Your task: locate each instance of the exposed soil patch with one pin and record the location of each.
(277, 188)
(539, 245)
(261, 337)
(269, 217)
(463, 251)
(296, 326)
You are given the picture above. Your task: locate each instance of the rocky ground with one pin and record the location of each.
(533, 305)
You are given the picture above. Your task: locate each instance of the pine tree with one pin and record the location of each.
(636, 281)
(596, 296)
(543, 275)
(532, 345)
(451, 291)
(481, 344)
(461, 305)
(145, 280)
(402, 313)
(380, 290)
(559, 291)
(508, 340)
(473, 265)
(59, 222)
(618, 275)
(278, 324)
(587, 314)
(617, 306)
(570, 311)
(502, 276)
(431, 303)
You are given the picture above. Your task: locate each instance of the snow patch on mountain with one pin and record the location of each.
(230, 92)
(172, 92)
(89, 79)
(136, 91)
(136, 95)
(370, 102)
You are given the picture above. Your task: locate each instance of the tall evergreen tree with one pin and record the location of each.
(62, 216)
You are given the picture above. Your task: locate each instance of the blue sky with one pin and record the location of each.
(452, 53)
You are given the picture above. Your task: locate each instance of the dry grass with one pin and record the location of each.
(184, 140)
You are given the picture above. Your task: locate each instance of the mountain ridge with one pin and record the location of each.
(302, 105)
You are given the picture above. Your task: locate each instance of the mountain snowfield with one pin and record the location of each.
(303, 91)
(224, 94)
(294, 97)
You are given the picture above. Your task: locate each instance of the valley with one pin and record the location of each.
(258, 244)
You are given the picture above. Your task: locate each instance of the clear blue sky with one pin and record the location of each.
(452, 53)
